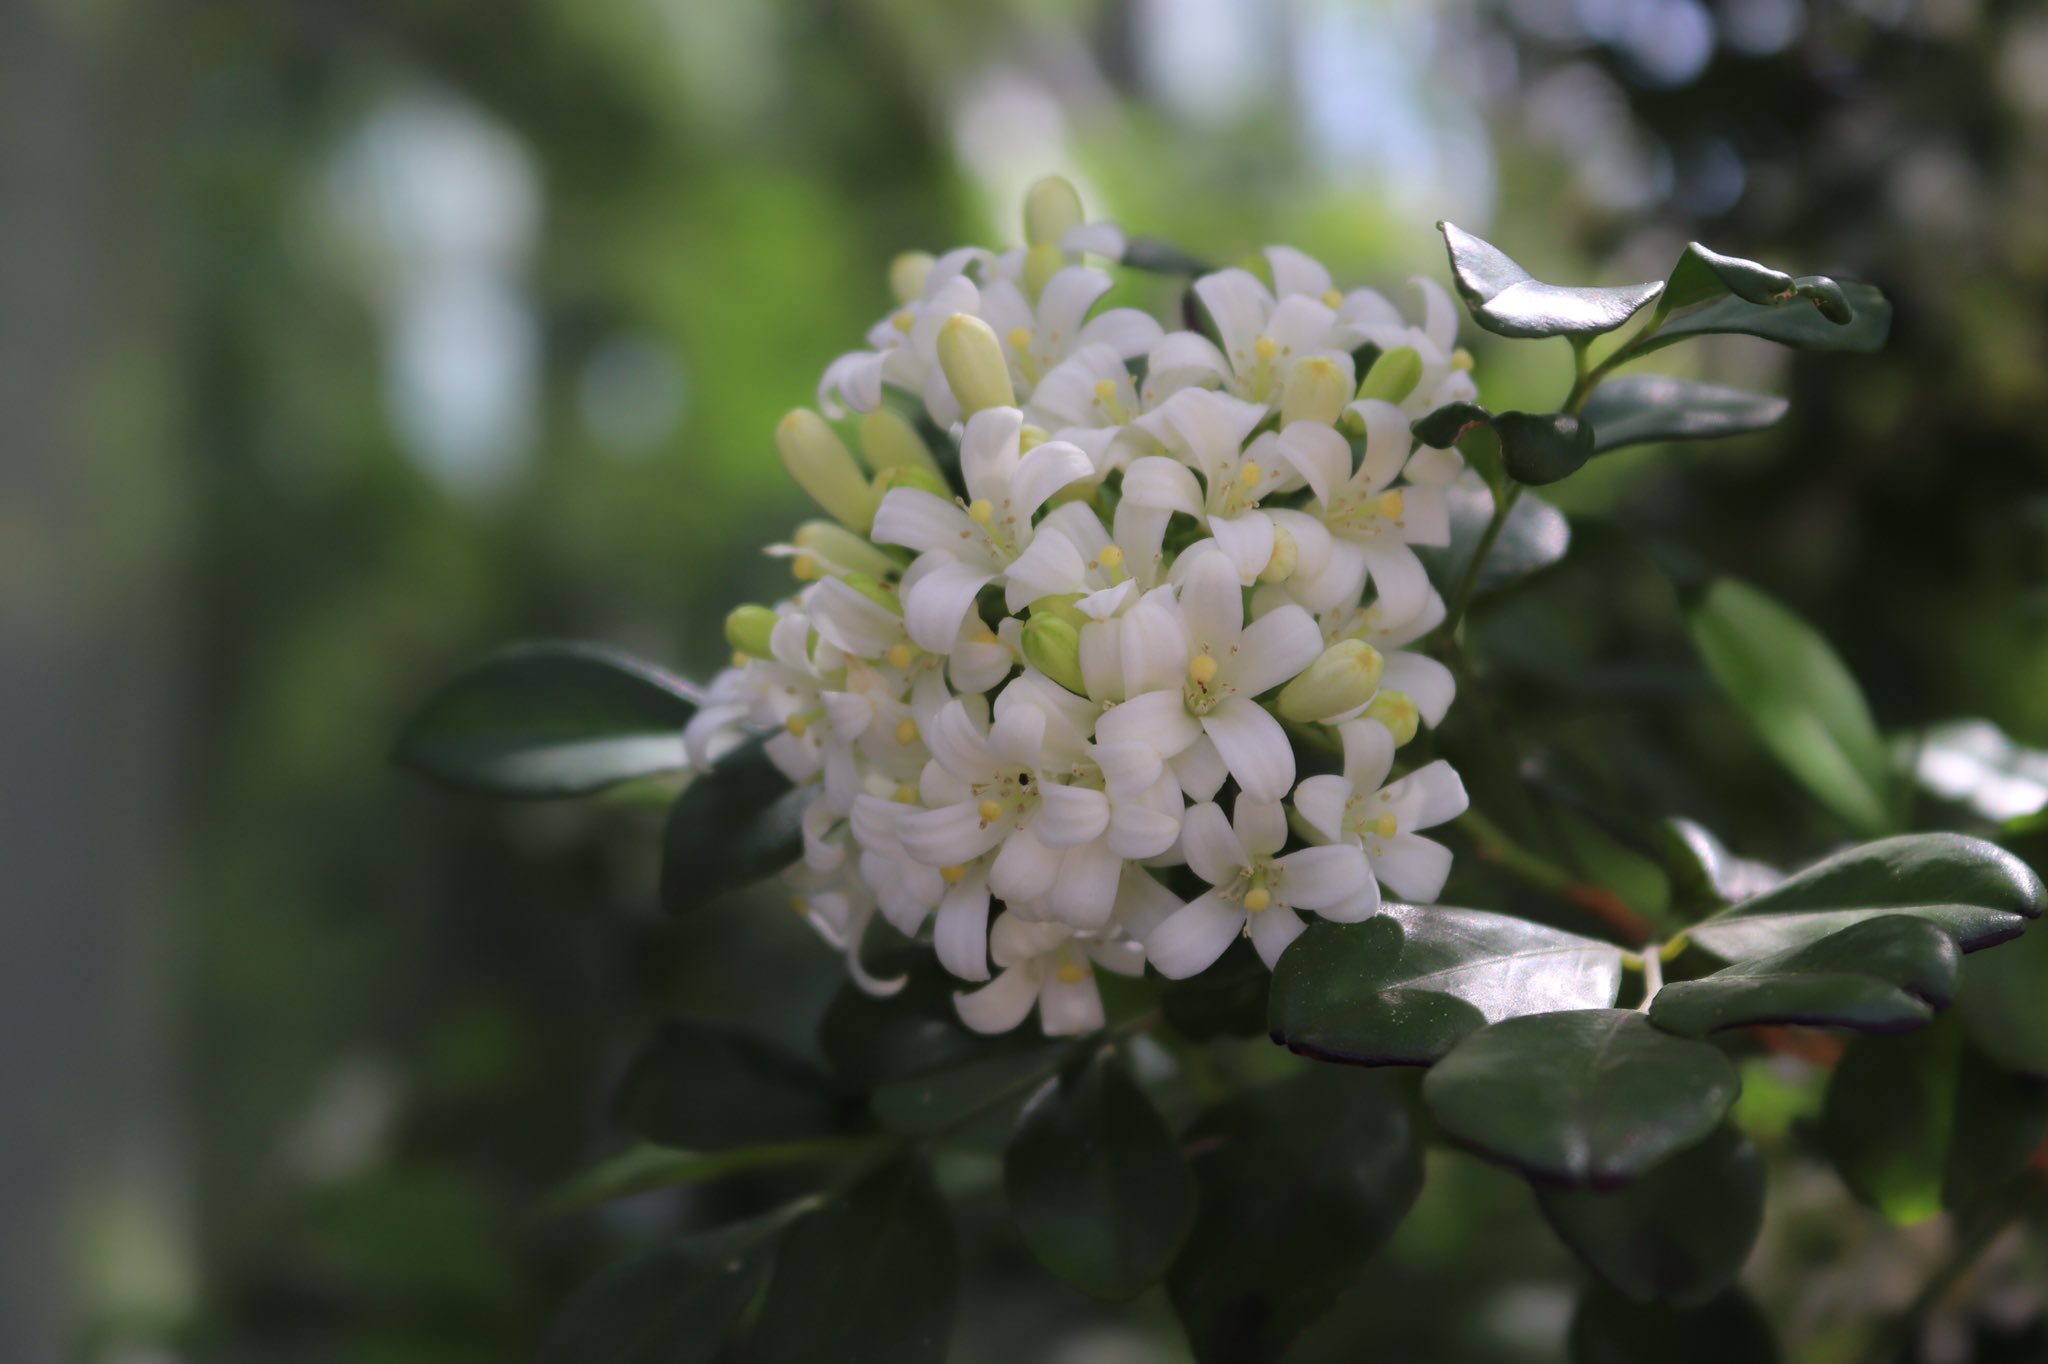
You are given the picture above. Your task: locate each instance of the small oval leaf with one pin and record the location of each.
(1885, 974)
(1637, 409)
(1542, 447)
(1505, 299)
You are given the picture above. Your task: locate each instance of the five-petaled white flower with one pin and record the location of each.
(1357, 810)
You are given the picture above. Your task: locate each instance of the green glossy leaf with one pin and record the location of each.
(540, 721)
(1795, 323)
(1505, 299)
(1886, 974)
(643, 1168)
(1800, 699)
(1589, 1097)
(1975, 891)
(1636, 409)
(1703, 275)
(1678, 1235)
(941, 1099)
(1704, 874)
(869, 1278)
(675, 1304)
(1450, 424)
(1096, 1182)
(1535, 536)
(1542, 447)
(1609, 1329)
(1407, 985)
(1975, 763)
(706, 1086)
(1299, 1184)
(2003, 1000)
(733, 826)
(1923, 1123)
(870, 1041)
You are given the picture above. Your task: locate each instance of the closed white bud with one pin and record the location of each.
(975, 368)
(1342, 679)
(907, 274)
(889, 442)
(834, 544)
(824, 468)
(1317, 390)
(1052, 209)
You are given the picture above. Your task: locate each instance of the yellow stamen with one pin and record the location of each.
(1202, 670)
(800, 905)
(1386, 826)
(797, 724)
(739, 660)
(1071, 974)
(1105, 390)
(1020, 339)
(1391, 505)
(804, 568)
(989, 811)
(906, 795)
(1332, 299)
(1111, 558)
(1258, 900)
(904, 320)
(901, 655)
(981, 511)
(1461, 358)
(1265, 348)
(1250, 474)
(906, 731)
(951, 875)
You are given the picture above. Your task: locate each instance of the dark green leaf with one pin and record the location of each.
(675, 1304)
(1096, 1182)
(1704, 874)
(1887, 974)
(1503, 298)
(870, 1041)
(733, 826)
(1542, 447)
(640, 1169)
(1299, 1184)
(538, 721)
(1449, 424)
(2003, 1000)
(706, 1086)
(1535, 536)
(867, 1279)
(1609, 1329)
(1975, 763)
(1703, 275)
(1794, 323)
(1227, 1000)
(1801, 700)
(1161, 258)
(1979, 893)
(939, 1099)
(1679, 1234)
(1407, 985)
(1636, 409)
(1586, 1097)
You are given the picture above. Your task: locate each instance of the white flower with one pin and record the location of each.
(840, 906)
(1420, 678)
(1263, 339)
(1047, 965)
(1090, 399)
(1366, 317)
(1208, 430)
(1191, 670)
(1253, 891)
(903, 347)
(1036, 338)
(1355, 809)
(965, 548)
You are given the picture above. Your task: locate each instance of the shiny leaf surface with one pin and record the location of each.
(1796, 323)
(1505, 299)
(1885, 974)
(1703, 275)
(1535, 536)
(1637, 409)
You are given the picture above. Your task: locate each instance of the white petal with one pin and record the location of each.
(1049, 565)
(1311, 540)
(1047, 469)
(1273, 930)
(1212, 604)
(1368, 753)
(1138, 831)
(1413, 867)
(1123, 957)
(1357, 907)
(1154, 645)
(1024, 870)
(1199, 770)
(1127, 331)
(936, 603)
(1247, 541)
(1253, 747)
(851, 622)
(1157, 481)
(1069, 1008)
(1301, 326)
(960, 933)
(1085, 892)
(1321, 800)
(1387, 442)
(988, 452)
(1319, 877)
(1238, 304)
(1261, 826)
(1297, 273)
(1427, 797)
(1142, 904)
(1440, 315)
(958, 744)
(1319, 455)
(1157, 719)
(1425, 515)
(1066, 299)
(1192, 937)
(1100, 239)
(1069, 815)
(1128, 768)
(1212, 846)
(919, 520)
(1273, 649)
(1018, 734)
(1183, 357)
(1001, 1004)
(1423, 680)
(1397, 575)
(947, 837)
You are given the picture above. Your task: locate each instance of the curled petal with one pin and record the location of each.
(1191, 938)
(1001, 1004)
(1273, 930)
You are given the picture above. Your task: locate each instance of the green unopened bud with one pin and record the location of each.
(910, 476)
(1030, 437)
(889, 442)
(1053, 646)
(1061, 606)
(1052, 209)
(823, 467)
(1286, 557)
(1397, 713)
(907, 274)
(749, 628)
(840, 547)
(1393, 376)
(875, 590)
(973, 361)
(1342, 679)
(1041, 263)
(1317, 390)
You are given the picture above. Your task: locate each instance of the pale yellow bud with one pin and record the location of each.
(1286, 557)
(1397, 713)
(973, 361)
(889, 442)
(1317, 389)
(880, 593)
(1041, 263)
(907, 274)
(749, 628)
(911, 476)
(835, 544)
(1052, 209)
(1342, 679)
(824, 468)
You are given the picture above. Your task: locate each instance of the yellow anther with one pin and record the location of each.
(1461, 358)
(906, 795)
(804, 568)
(1258, 900)
(1332, 299)
(1111, 557)
(798, 725)
(904, 320)
(1265, 348)
(989, 811)
(1202, 670)
(1105, 390)
(906, 731)
(1386, 826)
(739, 660)
(984, 635)
(1070, 974)
(952, 875)
(980, 511)
(1250, 474)
(1020, 339)
(901, 655)
(800, 905)
(1391, 505)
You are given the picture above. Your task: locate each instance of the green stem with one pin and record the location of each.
(1503, 503)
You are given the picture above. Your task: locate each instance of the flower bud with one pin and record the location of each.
(973, 361)
(910, 476)
(889, 442)
(836, 545)
(875, 590)
(1317, 390)
(1397, 713)
(1064, 606)
(823, 467)
(1342, 679)
(1053, 646)
(1286, 557)
(1041, 263)
(907, 274)
(1052, 209)
(749, 628)
(1393, 376)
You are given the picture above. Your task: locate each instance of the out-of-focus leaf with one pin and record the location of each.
(540, 721)
(1096, 1182)
(871, 1041)
(2003, 1001)
(939, 1099)
(1542, 447)
(1886, 974)
(735, 825)
(1801, 700)
(1636, 409)
(867, 1279)
(1535, 535)
(1679, 1234)
(1227, 1000)
(1704, 874)
(1450, 424)
(675, 1304)
(1407, 985)
(1795, 323)
(643, 1168)
(1161, 258)
(1609, 1329)
(1588, 1097)
(1299, 1185)
(1505, 299)
(1703, 274)
(705, 1086)
(1977, 892)
(1975, 763)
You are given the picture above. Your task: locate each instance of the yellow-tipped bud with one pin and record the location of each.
(906, 732)
(1342, 679)
(1258, 900)
(989, 811)
(1393, 376)
(907, 274)
(749, 628)
(1397, 713)
(1201, 670)
(1052, 209)
(889, 442)
(835, 544)
(1053, 646)
(910, 476)
(1286, 557)
(952, 875)
(975, 368)
(901, 656)
(875, 590)
(1317, 389)
(824, 468)
(804, 568)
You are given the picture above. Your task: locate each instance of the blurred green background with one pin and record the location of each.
(342, 340)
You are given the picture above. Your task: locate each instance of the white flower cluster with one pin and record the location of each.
(1025, 665)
